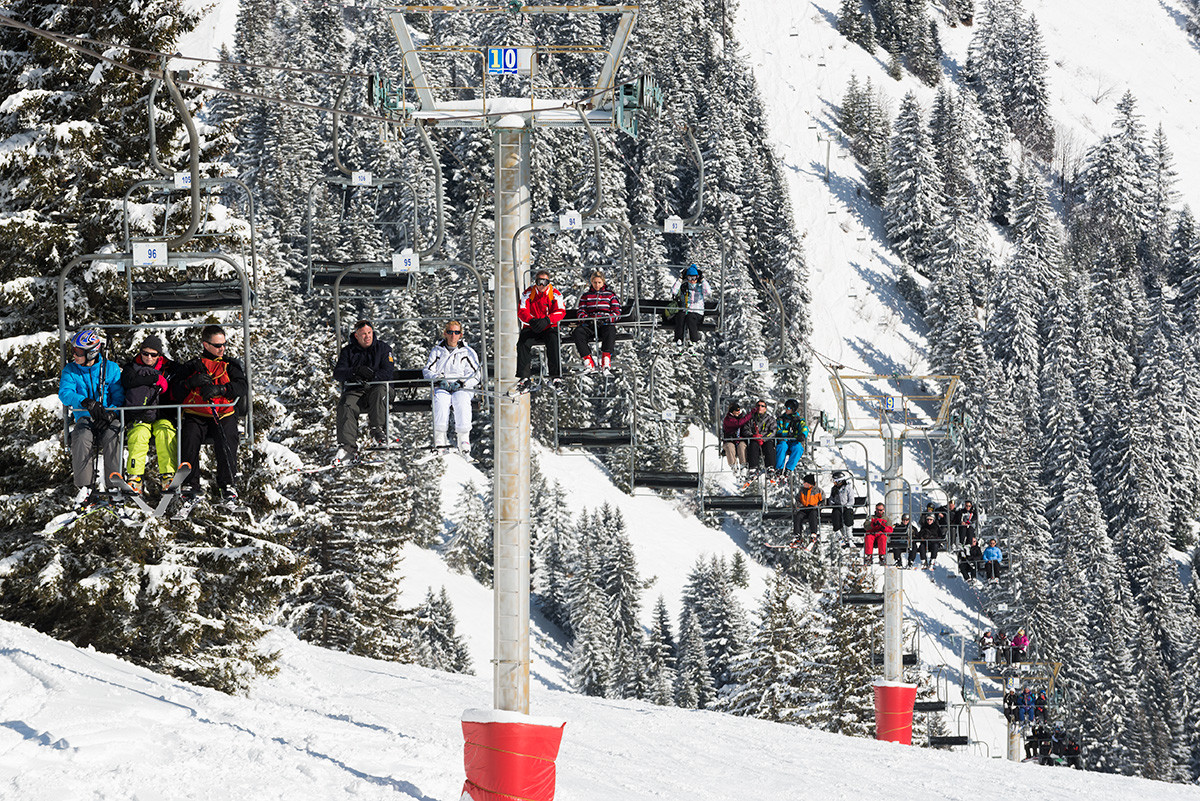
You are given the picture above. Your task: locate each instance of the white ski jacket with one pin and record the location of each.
(459, 364)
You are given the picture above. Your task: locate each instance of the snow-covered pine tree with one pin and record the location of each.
(469, 548)
(1029, 93)
(594, 648)
(554, 560)
(923, 51)
(661, 657)
(438, 644)
(843, 660)
(913, 205)
(1112, 187)
(1161, 196)
(992, 161)
(347, 597)
(719, 614)
(768, 678)
(694, 687)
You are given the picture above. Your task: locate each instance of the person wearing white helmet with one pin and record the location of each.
(90, 388)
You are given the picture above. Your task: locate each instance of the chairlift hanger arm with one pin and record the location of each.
(193, 161)
(154, 162)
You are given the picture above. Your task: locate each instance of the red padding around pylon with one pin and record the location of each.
(894, 711)
(509, 756)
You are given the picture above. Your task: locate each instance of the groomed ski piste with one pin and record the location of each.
(80, 724)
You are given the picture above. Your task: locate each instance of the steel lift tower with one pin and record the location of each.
(415, 100)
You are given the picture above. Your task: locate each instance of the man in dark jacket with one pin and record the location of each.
(363, 362)
(211, 387)
(146, 380)
(970, 559)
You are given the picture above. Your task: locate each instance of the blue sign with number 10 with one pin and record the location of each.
(502, 61)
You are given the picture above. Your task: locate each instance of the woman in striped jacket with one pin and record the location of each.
(599, 308)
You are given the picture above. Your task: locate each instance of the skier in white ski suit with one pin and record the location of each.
(453, 366)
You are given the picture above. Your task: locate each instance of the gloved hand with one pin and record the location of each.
(539, 324)
(89, 405)
(454, 386)
(212, 391)
(101, 417)
(364, 373)
(197, 380)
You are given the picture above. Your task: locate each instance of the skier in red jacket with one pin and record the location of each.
(540, 312)
(877, 529)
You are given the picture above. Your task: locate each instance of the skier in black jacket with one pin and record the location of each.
(212, 387)
(363, 361)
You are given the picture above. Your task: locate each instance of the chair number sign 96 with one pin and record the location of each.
(149, 254)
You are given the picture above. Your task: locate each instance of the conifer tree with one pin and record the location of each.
(845, 664)
(913, 205)
(439, 646)
(661, 657)
(470, 546)
(1029, 92)
(768, 680)
(554, 559)
(594, 647)
(719, 614)
(694, 687)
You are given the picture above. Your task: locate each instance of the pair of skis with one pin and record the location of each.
(67, 519)
(437, 451)
(796, 544)
(116, 480)
(358, 460)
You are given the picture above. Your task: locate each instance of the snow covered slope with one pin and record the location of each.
(78, 724)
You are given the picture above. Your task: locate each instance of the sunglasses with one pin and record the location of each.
(453, 331)
(79, 351)
(542, 281)
(216, 345)
(150, 353)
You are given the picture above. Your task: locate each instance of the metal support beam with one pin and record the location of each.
(411, 62)
(893, 620)
(893, 477)
(604, 83)
(511, 476)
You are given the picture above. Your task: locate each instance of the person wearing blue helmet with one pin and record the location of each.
(90, 388)
(689, 293)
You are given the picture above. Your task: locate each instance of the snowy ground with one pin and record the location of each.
(79, 724)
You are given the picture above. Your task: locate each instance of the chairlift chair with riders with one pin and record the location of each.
(168, 287)
(653, 310)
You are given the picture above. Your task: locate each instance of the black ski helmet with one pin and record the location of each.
(792, 405)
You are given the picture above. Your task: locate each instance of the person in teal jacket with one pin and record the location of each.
(90, 387)
(791, 431)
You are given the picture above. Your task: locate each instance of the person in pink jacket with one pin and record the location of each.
(1019, 645)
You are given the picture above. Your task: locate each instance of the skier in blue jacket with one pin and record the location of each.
(991, 560)
(90, 387)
